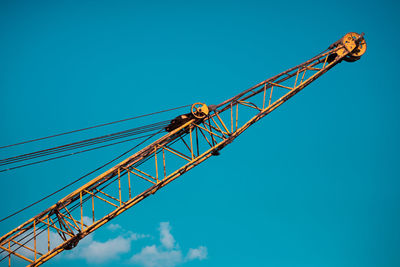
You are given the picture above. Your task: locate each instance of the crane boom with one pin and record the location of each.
(190, 139)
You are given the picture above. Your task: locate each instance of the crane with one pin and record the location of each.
(189, 140)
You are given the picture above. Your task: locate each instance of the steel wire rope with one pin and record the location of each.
(78, 152)
(71, 154)
(92, 127)
(76, 205)
(87, 142)
(137, 130)
(56, 220)
(137, 164)
(271, 78)
(80, 178)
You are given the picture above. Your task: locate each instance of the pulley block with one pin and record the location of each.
(199, 110)
(355, 44)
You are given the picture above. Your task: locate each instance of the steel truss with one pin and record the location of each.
(61, 226)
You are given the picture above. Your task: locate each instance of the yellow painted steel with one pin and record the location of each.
(199, 110)
(201, 131)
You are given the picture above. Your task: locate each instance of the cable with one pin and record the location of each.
(80, 178)
(111, 181)
(92, 127)
(22, 244)
(63, 150)
(71, 208)
(74, 206)
(71, 154)
(87, 142)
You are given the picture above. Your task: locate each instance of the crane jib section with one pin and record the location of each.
(189, 140)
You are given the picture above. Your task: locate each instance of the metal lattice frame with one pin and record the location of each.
(61, 226)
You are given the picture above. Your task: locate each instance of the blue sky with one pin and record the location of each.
(315, 183)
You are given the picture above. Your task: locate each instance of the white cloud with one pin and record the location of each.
(153, 256)
(98, 252)
(113, 227)
(166, 238)
(168, 254)
(41, 242)
(87, 220)
(135, 236)
(199, 253)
